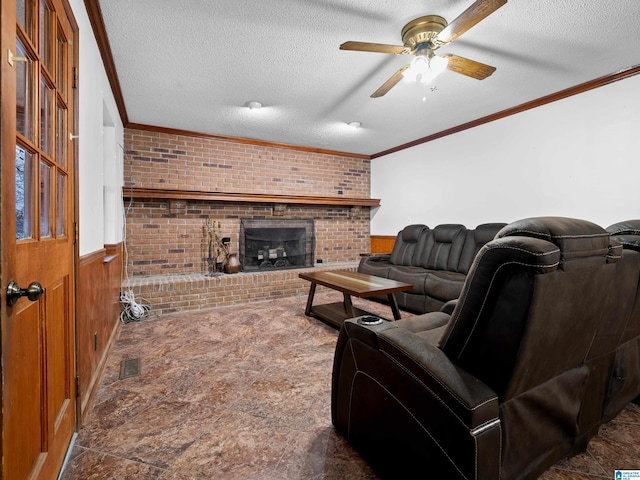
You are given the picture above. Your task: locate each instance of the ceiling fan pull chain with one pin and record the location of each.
(432, 88)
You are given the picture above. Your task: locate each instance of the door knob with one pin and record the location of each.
(33, 292)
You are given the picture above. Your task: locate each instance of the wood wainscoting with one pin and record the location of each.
(97, 319)
(382, 243)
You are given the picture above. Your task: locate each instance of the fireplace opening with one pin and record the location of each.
(276, 244)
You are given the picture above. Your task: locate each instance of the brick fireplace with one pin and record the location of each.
(175, 181)
(273, 244)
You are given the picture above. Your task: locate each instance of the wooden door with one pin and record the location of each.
(38, 240)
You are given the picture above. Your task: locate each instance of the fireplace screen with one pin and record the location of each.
(276, 244)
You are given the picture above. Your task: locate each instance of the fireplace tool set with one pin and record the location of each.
(219, 258)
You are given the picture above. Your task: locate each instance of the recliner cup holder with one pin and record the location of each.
(369, 320)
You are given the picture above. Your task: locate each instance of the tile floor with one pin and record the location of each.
(243, 392)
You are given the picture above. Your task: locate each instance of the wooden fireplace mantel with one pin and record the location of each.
(195, 195)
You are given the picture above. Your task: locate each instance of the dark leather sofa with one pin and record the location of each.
(435, 261)
(542, 347)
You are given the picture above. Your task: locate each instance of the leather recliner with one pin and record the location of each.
(497, 389)
(625, 376)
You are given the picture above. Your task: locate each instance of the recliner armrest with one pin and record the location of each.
(449, 306)
(473, 402)
(403, 404)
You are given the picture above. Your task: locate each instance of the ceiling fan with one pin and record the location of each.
(423, 36)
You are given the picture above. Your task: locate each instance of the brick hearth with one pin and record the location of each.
(171, 293)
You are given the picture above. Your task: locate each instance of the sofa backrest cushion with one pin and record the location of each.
(405, 246)
(441, 247)
(627, 233)
(532, 303)
(581, 243)
(474, 240)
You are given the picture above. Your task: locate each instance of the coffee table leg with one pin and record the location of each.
(312, 292)
(394, 306)
(348, 306)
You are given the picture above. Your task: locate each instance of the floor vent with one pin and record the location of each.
(129, 368)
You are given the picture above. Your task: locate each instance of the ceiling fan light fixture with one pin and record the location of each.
(355, 124)
(438, 64)
(425, 68)
(253, 105)
(418, 67)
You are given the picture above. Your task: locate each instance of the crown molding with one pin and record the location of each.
(554, 97)
(99, 31)
(251, 141)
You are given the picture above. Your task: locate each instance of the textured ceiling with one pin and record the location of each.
(193, 64)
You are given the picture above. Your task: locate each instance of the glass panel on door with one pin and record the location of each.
(61, 137)
(46, 116)
(25, 16)
(61, 70)
(45, 34)
(61, 194)
(45, 200)
(24, 198)
(24, 92)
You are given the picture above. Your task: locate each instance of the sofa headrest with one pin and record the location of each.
(581, 243)
(447, 232)
(486, 232)
(411, 233)
(627, 233)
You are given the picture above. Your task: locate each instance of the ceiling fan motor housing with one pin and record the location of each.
(421, 32)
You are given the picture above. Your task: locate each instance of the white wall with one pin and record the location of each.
(96, 104)
(112, 163)
(577, 157)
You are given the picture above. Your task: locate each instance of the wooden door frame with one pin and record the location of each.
(7, 169)
(75, 145)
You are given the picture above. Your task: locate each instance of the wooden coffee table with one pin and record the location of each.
(350, 283)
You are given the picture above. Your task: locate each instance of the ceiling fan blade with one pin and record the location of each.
(389, 84)
(374, 47)
(467, 67)
(477, 12)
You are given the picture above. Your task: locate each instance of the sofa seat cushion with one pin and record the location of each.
(439, 284)
(444, 285)
(429, 326)
(424, 322)
(416, 276)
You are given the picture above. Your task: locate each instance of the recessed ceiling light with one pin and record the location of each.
(253, 105)
(355, 124)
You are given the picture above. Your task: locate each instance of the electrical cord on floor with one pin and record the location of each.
(133, 310)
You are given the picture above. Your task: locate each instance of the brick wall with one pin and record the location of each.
(165, 160)
(167, 237)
